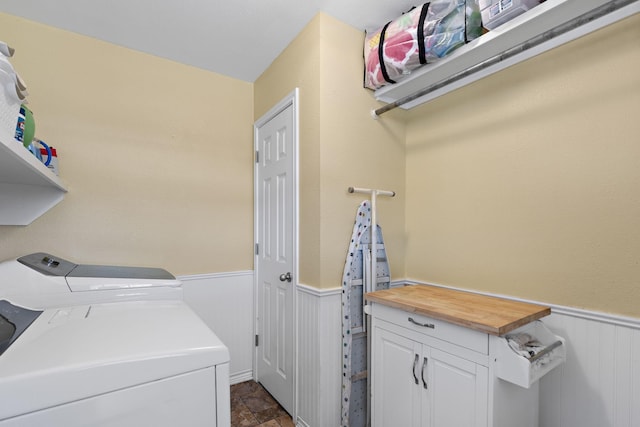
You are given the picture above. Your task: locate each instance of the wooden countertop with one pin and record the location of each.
(496, 316)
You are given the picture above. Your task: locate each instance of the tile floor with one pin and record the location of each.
(253, 406)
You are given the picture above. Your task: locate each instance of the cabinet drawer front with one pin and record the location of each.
(445, 331)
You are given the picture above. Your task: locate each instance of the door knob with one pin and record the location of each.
(285, 277)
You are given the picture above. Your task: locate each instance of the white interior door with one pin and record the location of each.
(276, 249)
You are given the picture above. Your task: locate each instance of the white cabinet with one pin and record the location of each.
(441, 358)
(398, 397)
(419, 379)
(428, 372)
(458, 391)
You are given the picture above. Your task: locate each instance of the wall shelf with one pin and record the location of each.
(27, 187)
(544, 18)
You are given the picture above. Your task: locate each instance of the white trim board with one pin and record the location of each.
(207, 276)
(318, 292)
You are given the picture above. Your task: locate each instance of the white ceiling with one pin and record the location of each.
(236, 38)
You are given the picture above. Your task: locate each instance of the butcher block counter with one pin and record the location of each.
(456, 358)
(492, 315)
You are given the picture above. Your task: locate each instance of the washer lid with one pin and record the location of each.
(77, 352)
(84, 277)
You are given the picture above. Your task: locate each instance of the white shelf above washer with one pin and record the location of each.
(27, 187)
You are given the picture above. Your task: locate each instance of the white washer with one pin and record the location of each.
(42, 280)
(72, 359)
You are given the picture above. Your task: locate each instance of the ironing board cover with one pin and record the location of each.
(354, 335)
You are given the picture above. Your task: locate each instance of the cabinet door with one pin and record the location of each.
(396, 384)
(457, 390)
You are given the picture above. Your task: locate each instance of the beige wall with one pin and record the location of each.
(340, 146)
(527, 183)
(298, 66)
(355, 151)
(157, 155)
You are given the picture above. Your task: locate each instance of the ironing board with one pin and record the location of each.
(355, 283)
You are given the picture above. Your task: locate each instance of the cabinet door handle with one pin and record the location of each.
(424, 325)
(424, 366)
(413, 371)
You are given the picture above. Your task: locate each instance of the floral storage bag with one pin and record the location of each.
(420, 36)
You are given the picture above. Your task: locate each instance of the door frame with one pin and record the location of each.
(292, 99)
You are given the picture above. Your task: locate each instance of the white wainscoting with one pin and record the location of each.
(224, 301)
(599, 385)
(319, 370)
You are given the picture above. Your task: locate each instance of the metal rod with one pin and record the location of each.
(545, 351)
(370, 191)
(581, 20)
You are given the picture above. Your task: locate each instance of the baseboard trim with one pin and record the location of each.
(612, 319)
(241, 377)
(191, 277)
(318, 292)
(301, 423)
